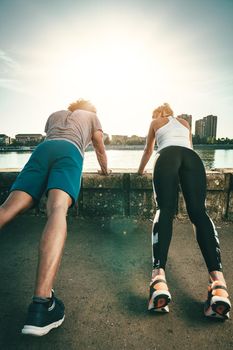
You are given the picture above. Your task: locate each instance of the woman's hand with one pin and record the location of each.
(107, 172)
(141, 173)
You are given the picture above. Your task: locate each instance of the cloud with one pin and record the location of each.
(11, 84)
(7, 63)
(9, 71)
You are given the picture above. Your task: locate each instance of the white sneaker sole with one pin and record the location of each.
(163, 310)
(156, 295)
(212, 314)
(40, 331)
(218, 302)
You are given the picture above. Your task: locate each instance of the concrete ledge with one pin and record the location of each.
(230, 207)
(96, 181)
(128, 194)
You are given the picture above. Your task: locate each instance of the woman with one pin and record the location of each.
(55, 167)
(175, 163)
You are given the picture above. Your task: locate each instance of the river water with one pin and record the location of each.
(125, 159)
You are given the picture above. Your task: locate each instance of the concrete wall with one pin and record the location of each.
(127, 194)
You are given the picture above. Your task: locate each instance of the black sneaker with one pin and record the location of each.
(43, 315)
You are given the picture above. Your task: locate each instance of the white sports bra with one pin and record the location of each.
(172, 134)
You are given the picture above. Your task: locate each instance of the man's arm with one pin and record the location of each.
(148, 150)
(98, 144)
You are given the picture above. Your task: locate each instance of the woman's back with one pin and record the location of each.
(169, 131)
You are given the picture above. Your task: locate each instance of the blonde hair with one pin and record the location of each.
(82, 104)
(162, 111)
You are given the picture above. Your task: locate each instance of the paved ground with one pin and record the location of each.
(104, 284)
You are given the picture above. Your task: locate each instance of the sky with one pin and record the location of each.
(126, 56)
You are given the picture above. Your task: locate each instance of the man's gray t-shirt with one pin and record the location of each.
(77, 127)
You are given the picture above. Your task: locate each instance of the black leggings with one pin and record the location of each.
(174, 165)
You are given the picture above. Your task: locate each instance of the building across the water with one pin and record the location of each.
(4, 139)
(206, 127)
(27, 138)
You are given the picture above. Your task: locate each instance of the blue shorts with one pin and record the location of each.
(54, 164)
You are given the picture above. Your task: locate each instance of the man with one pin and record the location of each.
(55, 167)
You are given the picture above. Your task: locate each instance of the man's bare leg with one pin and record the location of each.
(52, 242)
(17, 202)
